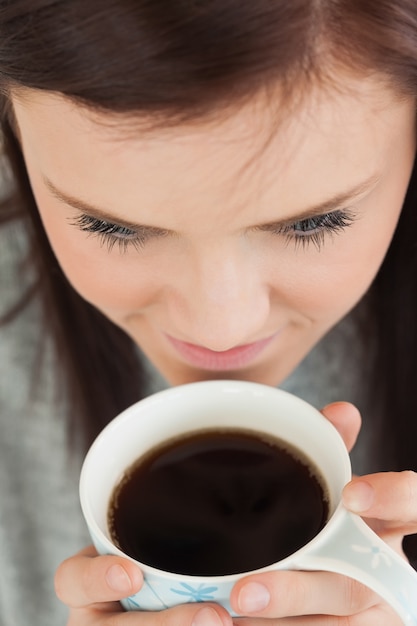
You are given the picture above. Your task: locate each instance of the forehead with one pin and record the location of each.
(254, 154)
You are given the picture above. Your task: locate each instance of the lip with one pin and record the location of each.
(235, 358)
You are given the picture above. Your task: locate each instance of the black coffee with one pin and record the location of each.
(217, 503)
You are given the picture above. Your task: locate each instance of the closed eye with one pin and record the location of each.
(313, 229)
(111, 234)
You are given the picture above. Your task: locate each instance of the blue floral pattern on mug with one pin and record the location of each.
(199, 593)
(378, 556)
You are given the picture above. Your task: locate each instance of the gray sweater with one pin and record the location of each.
(40, 518)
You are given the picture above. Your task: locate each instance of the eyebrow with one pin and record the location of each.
(327, 206)
(343, 199)
(92, 211)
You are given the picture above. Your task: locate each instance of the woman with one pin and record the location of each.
(228, 187)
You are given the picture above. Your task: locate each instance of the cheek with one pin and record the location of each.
(115, 287)
(324, 285)
(110, 281)
(101, 283)
(323, 293)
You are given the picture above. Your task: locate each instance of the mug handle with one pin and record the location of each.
(348, 546)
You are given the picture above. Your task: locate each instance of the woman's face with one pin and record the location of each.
(223, 249)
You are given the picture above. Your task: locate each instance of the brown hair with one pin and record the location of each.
(175, 62)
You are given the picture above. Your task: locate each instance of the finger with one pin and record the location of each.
(86, 579)
(194, 614)
(290, 593)
(390, 497)
(380, 615)
(346, 418)
(388, 504)
(206, 614)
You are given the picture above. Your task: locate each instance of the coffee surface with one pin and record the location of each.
(217, 503)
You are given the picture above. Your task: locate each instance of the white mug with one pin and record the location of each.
(346, 545)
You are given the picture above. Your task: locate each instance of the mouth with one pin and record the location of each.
(235, 358)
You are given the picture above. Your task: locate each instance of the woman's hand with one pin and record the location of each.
(388, 501)
(91, 586)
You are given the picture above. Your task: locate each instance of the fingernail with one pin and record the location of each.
(253, 597)
(118, 579)
(358, 496)
(207, 617)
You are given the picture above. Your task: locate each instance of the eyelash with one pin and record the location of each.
(111, 234)
(312, 230)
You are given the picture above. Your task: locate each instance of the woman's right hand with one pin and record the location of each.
(91, 586)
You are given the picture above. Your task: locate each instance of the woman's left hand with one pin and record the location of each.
(388, 502)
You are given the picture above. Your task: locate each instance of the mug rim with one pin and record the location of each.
(107, 546)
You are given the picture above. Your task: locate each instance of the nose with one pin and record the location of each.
(221, 301)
